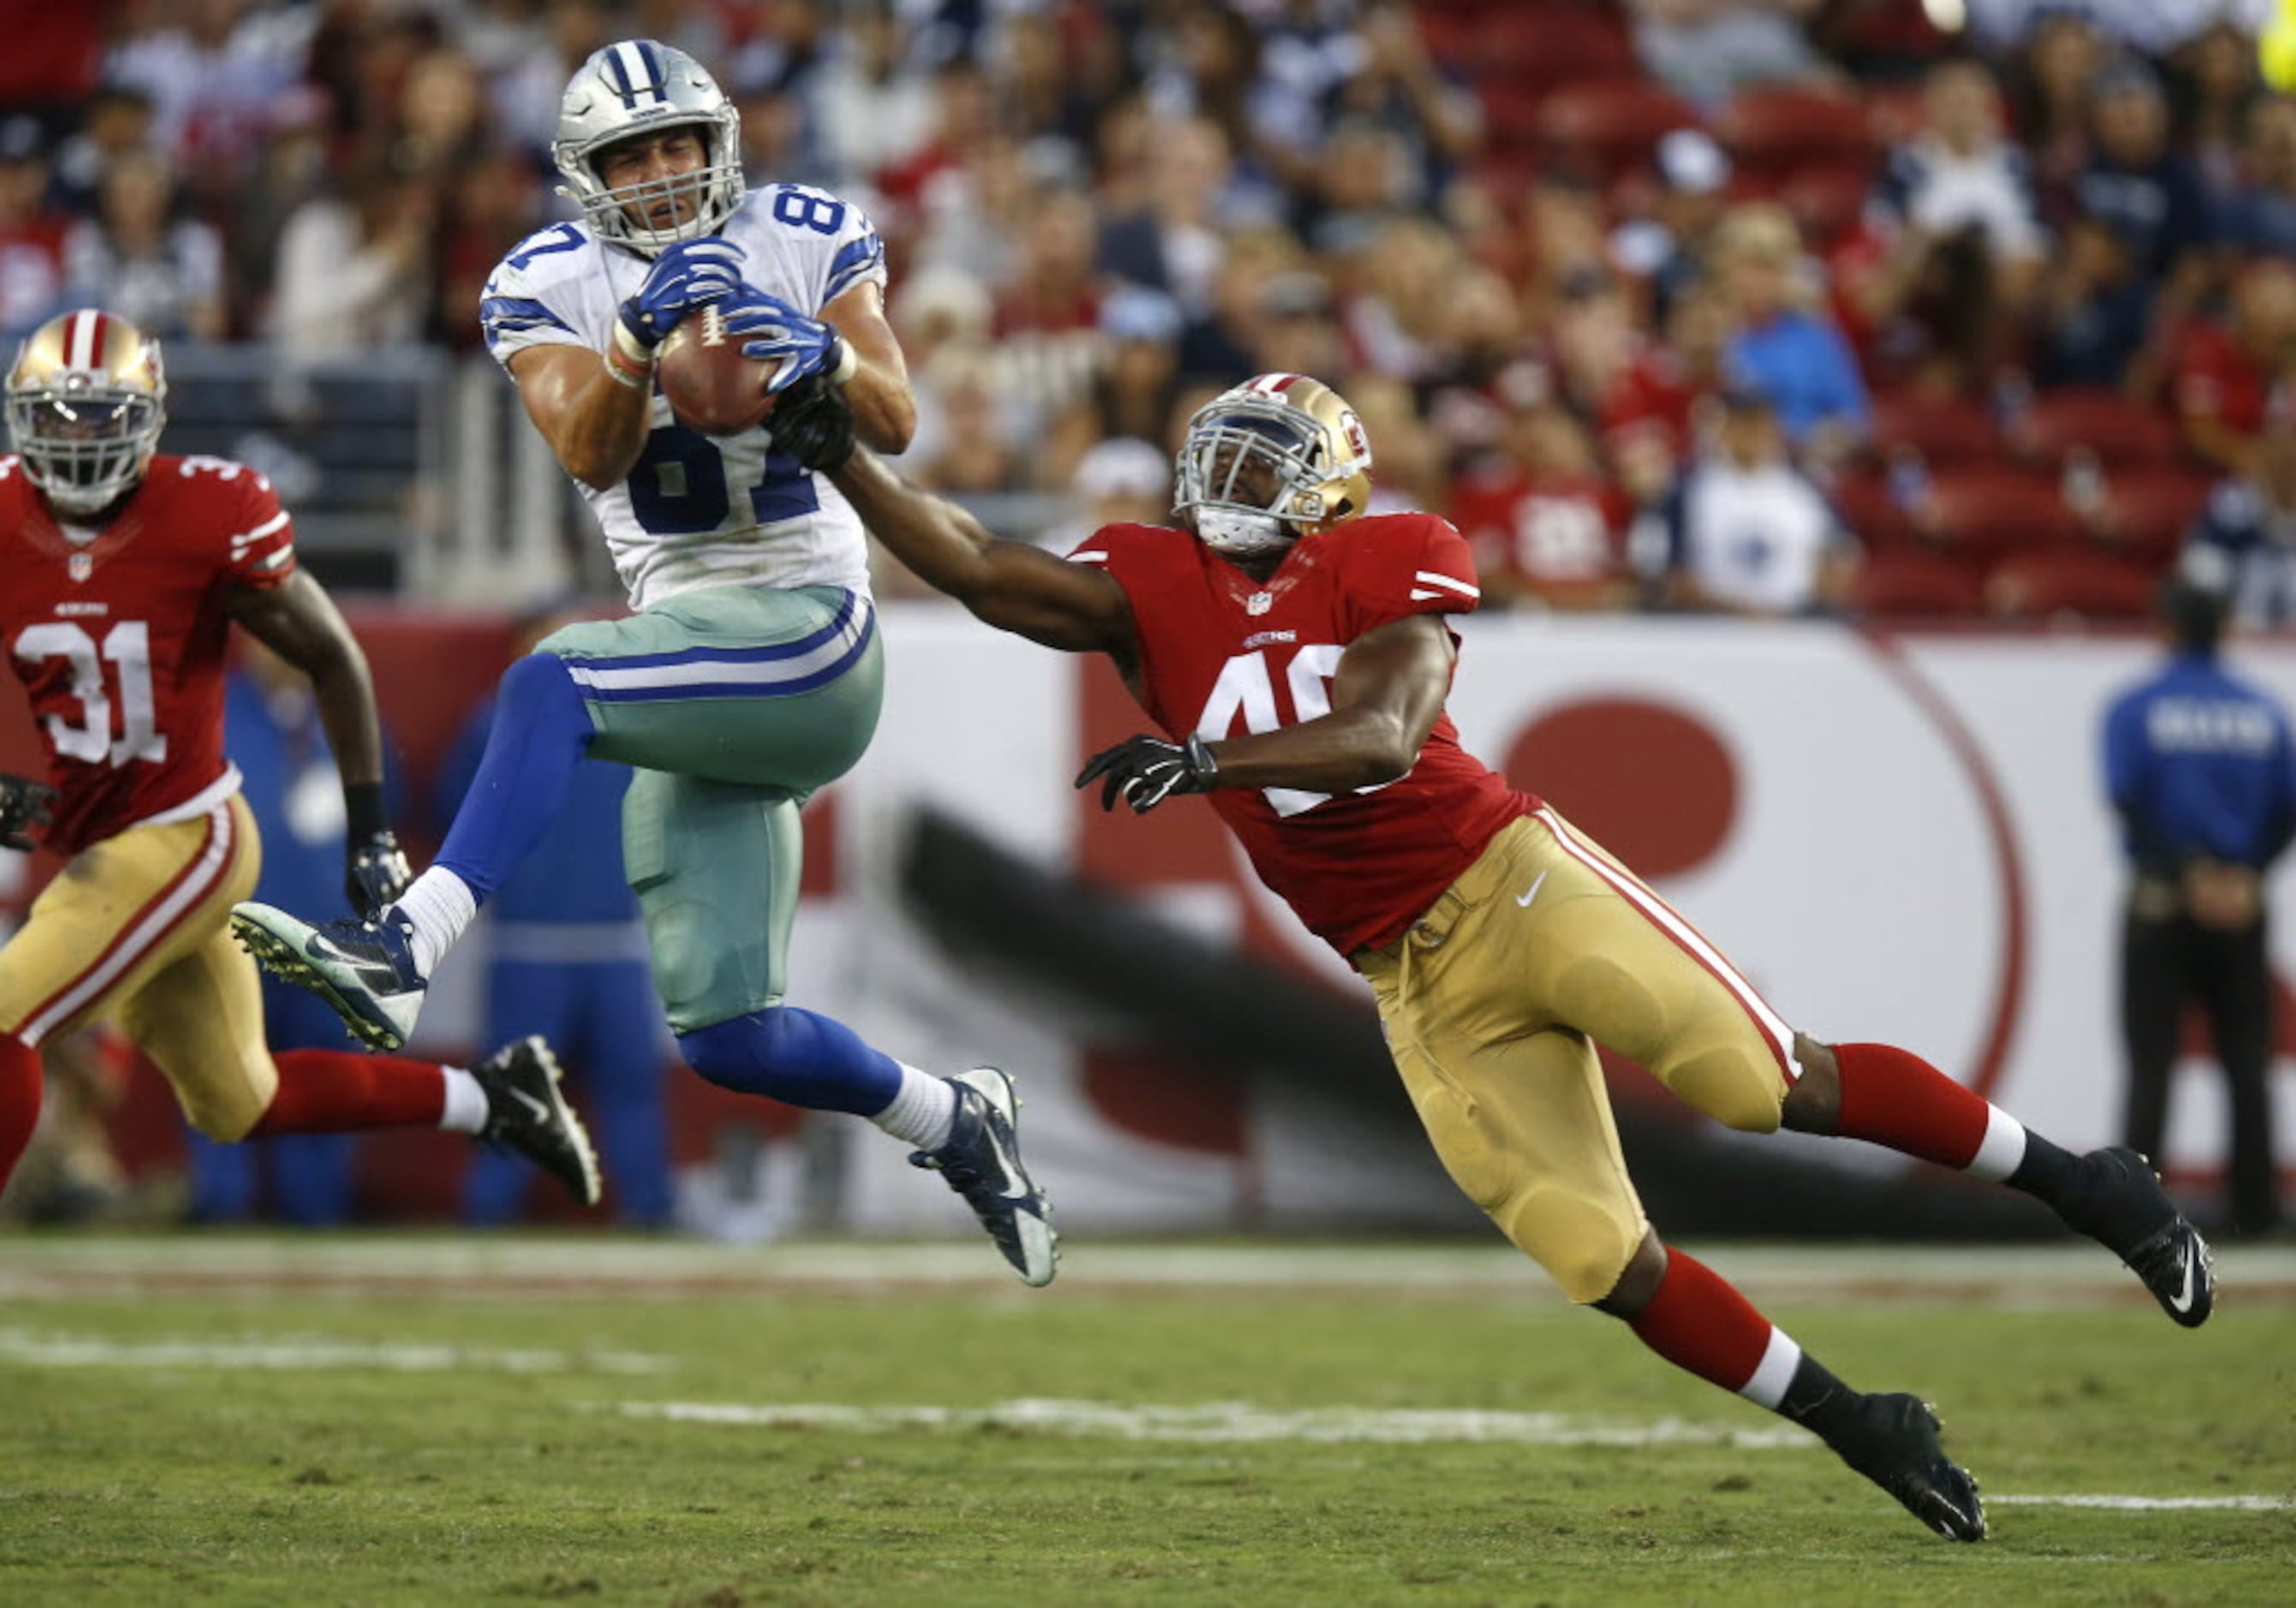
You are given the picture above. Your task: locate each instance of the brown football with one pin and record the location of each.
(710, 386)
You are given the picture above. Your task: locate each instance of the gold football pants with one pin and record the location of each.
(1493, 1004)
(132, 931)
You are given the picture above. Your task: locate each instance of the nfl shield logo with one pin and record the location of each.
(1259, 602)
(80, 566)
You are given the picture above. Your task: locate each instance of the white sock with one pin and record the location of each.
(924, 1110)
(2002, 1148)
(466, 1108)
(438, 905)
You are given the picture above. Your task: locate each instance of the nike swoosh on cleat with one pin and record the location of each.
(541, 1109)
(2184, 1303)
(1524, 899)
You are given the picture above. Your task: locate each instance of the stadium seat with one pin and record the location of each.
(2069, 580)
(1862, 501)
(1910, 585)
(1987, 511)
(2149, 508)
(2117, 430)
(1549, 46)
(1602, 127)
(1777, 129)
(1945, 431)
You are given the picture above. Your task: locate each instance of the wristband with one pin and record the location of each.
(628, 345)
(1201, 763)
(621, 374)
(365, 817)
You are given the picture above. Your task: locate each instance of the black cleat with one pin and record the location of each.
(983, 1162)
(527, 1112)
(1893, 1442)
(2116, 1199)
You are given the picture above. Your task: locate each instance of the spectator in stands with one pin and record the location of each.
(1954, 204)
(31, 231)
(970, 453)
(2200, 768)
(1708, 50)
(1217, 346)
(1296, 331)
(1135, 381)
(290, 172)
(1485, 369)
(1666, 250)
(2244, 543)
(525, 97)
(566, 958)
(2050, 81)
(137, 258)
(2214, 81)
(1122, 480)
(2139, 187)
(1780, 346)
(212, 78)
(2231, 377)
(1397, 85)
(355, 269)
(117, 120)
(1744, 531)
(2091, 311)
(871, 103)
(1650, 414)
(1547, 529)
(2258, 218)
(1173, 243)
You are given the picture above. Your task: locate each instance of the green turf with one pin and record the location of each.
(130, 1476)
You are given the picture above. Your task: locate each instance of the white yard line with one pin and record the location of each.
(36, 1348)
(2150, 1504)
(1229, 1422)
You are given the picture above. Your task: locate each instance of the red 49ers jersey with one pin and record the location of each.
(119, 639)
(1220, 652)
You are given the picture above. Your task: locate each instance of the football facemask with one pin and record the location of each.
(640, 87)
(86, 402)
(1276, 458)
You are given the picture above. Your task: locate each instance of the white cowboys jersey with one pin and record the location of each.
(703, 511)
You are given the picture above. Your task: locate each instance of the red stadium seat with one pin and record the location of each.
(1602, 127)
(1862, 501)
(1777, 129)
(2117, 430)
(2068, 580)
(1944, 430)
(1986, 511)
(1550, 45)
(1917, 586)
(2148, 509)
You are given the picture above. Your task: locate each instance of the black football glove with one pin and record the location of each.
(378, 874)
(813, 423)
(24, 804)
(1144, 771)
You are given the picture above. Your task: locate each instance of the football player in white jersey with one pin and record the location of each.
(750, 675)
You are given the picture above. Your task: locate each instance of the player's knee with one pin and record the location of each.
(225, 1115)
(737, 1054)
(1473, 1155)
(1734, 1087)
(1585, 1247)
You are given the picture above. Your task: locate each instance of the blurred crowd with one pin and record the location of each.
(1764, 305)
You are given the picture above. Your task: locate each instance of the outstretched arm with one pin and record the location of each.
(1010, 584)
(1385, 701)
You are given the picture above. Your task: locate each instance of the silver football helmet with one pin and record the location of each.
(639, 86)
(1273, 459)
(87, 401)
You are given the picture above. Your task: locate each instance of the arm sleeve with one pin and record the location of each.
(523, 304)
(260, 548)
(1412, 563)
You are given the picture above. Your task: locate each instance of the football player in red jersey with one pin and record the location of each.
(127, 571)
(1294, 653)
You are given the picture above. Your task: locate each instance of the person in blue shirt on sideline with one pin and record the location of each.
(272, 732)
(2200, 767)
(566, 959)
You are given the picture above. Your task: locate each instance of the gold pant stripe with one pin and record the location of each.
(1692, 942)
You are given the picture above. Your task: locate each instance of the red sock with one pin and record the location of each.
(20, 1083)
(334, 1091)
(1893, 1097)
(1699, 1322)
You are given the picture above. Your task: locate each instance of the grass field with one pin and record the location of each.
(376, 1420)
